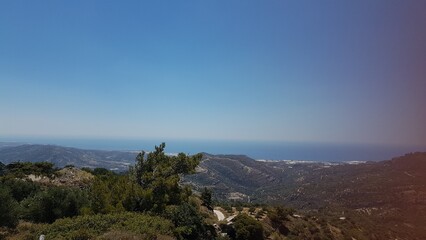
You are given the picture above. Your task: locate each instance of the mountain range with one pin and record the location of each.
(388, 195)
(62, 156)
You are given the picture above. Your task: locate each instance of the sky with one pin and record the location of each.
(296, 71)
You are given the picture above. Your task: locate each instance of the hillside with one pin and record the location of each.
(62, 156)
(243, 176)
(391, 194)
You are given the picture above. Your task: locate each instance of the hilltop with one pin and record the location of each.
(62, 156)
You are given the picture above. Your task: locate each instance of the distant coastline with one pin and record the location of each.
(257, 150)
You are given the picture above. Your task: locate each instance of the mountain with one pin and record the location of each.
(10, 144)
(62, 156)
(239, 175)
(389, 196)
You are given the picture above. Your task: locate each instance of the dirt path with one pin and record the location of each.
(219, 215)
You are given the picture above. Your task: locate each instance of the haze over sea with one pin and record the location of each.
(265, 150)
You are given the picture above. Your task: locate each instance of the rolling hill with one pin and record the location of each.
(62, 156)
(387, 197)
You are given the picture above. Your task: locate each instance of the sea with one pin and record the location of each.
(259, 150)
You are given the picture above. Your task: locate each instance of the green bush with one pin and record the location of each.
(53, 203)
(8, 208)
(247, 228)
(187, 220)
(20, 189)
(96, 225)
(280, 214)
(206, 197)
(20, 169)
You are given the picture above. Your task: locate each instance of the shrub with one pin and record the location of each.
(54, 203)
(20, 189)
(8, 208)
(96, 225)
(188, 221)
(206, 197)
(280, 214)
(246, 228)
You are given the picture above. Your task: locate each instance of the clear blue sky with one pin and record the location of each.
(317, 71)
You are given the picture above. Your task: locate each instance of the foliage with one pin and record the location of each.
(19, 188)
(100, 197)
(116, 194)
(53, 203)
(280, 214)
(99, 171)
(188, 222)
(252, 210)
(8, 208)
(20, 169)
(247, 228)
(108, 204)
(161, 174)
(206, 197)
(2, 169)
(96, 225)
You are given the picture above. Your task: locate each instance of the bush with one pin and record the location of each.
(206, 197)
(252, 210)
(54, 203)
(20, 169)
(20, 189)
(246, 228)
(187, 220)
(8, 208)
(280, 214)
(96, 225)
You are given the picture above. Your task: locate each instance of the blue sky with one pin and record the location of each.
(303, 71)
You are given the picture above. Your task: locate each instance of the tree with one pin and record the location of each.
(189, 223)
(20, 189)
(247, 228)
(161, 174)
(100, 197)
(278, 215)
(2, 169)
(206, 197)
(20, 169)
(8, 208)
(54, 203)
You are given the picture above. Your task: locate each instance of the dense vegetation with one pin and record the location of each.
(148, 202)
(151, 201)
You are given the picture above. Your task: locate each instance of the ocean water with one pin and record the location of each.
(257, 150)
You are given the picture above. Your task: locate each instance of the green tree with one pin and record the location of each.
(2, 169)
(188, 222)
(161, 174)
(102, 171)
(20, 189)
(247, 228)
(8, 208)
(53, 203)
(20, 169)
(278, 216)
(100, 197)
(206, 197)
